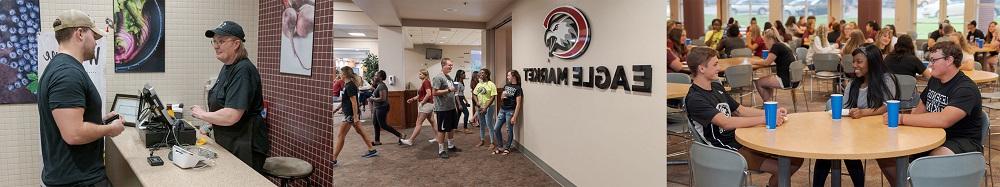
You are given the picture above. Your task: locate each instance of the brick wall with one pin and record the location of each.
(301, 111)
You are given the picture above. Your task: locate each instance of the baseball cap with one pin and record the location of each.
(75, 18)
(227, 28)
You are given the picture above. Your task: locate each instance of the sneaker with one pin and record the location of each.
(406, 142)
(333, 163)
(371, 153)
(454, 149)
(432, 140)
(443, 154)
(376, 143)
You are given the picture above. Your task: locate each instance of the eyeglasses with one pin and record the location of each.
(936, 59)
(219, 42)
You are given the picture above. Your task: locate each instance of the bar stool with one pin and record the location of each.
(288, 169)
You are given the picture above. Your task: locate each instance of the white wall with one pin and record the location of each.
(594, 137)
(415, 60)
(189, 63)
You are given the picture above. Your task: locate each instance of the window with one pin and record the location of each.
(743, 10)
(956, 14)
(850, 10)
(711, 12)
(888, 12)
(927, 17)
(805, 8)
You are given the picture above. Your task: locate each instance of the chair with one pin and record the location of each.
(795, 74)
(827, 67)
(712, 166)
(907, 87)
(741, 52)
(985, 128)
(800, 54)
(845, 64)
(698, 42)
(288, 169)
(740, 78)
(678, 78)
(964, 169)
(978, 66)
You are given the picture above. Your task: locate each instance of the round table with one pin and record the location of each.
(980, 76)
(677, 90)
(815, 135)
(729, 62)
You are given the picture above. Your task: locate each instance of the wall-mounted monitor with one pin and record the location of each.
(433, 54)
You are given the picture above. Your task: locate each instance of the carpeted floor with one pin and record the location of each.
(419, 165)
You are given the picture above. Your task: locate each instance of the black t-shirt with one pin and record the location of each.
(728, 44)
(238, 86)
(65, 84)
(833, 36)
(934, 35)
(512, 91)
(377, 93)
(961, 93)
(905, 64)
(702, 105)
(974, 34)
(350, 90)
(783, 58)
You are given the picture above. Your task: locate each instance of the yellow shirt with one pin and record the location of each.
(484, 92)
(713, 38)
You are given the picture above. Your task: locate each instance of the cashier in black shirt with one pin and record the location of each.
(951, 101)
(71, 126)
(235, 101)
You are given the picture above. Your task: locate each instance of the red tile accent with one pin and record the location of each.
(301, 109)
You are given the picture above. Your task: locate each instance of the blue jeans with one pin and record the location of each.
(502, 118)
(486, 124)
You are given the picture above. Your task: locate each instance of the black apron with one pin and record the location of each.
(247, 139)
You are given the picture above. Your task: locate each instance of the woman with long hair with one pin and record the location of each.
(425, 106)
(849, 28)
(968, 61)
(866, 95)
(820, 45)
(473, 81)
(782, 56)
(903, 59)
(884, 40)
(755, 41)
(463, 105)
(510, 108)
(855, 39)
(993, 44)
(676, 50)
(352, 115)
(380, 100)
(485, 92)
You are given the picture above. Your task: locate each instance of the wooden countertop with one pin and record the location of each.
(815, 135)
(227, 170)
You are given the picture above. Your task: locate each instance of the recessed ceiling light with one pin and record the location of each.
(450, 10)
(440, 42)
(358, 34)
(444, 37)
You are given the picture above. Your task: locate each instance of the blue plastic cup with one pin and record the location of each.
(687, 41)
(764, 54)
(893, 110)
(979, 42)
(927, 63)
(771, 114)
(836, 105)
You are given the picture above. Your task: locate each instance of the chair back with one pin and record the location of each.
(966, 169)
(678, 78)
(907, 86)
(740, 76)
(741, 52)
(713, 166)
(827, 62)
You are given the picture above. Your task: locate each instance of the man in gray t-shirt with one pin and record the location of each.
(445, 108)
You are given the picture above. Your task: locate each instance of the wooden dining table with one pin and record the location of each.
(725, 63)
(815, 135)
(980, 76)
(677, 90)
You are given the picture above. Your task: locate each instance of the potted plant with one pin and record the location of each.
(371, 67)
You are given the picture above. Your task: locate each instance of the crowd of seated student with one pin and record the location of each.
(876, 54)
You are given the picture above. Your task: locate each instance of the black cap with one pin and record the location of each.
(228, 28)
